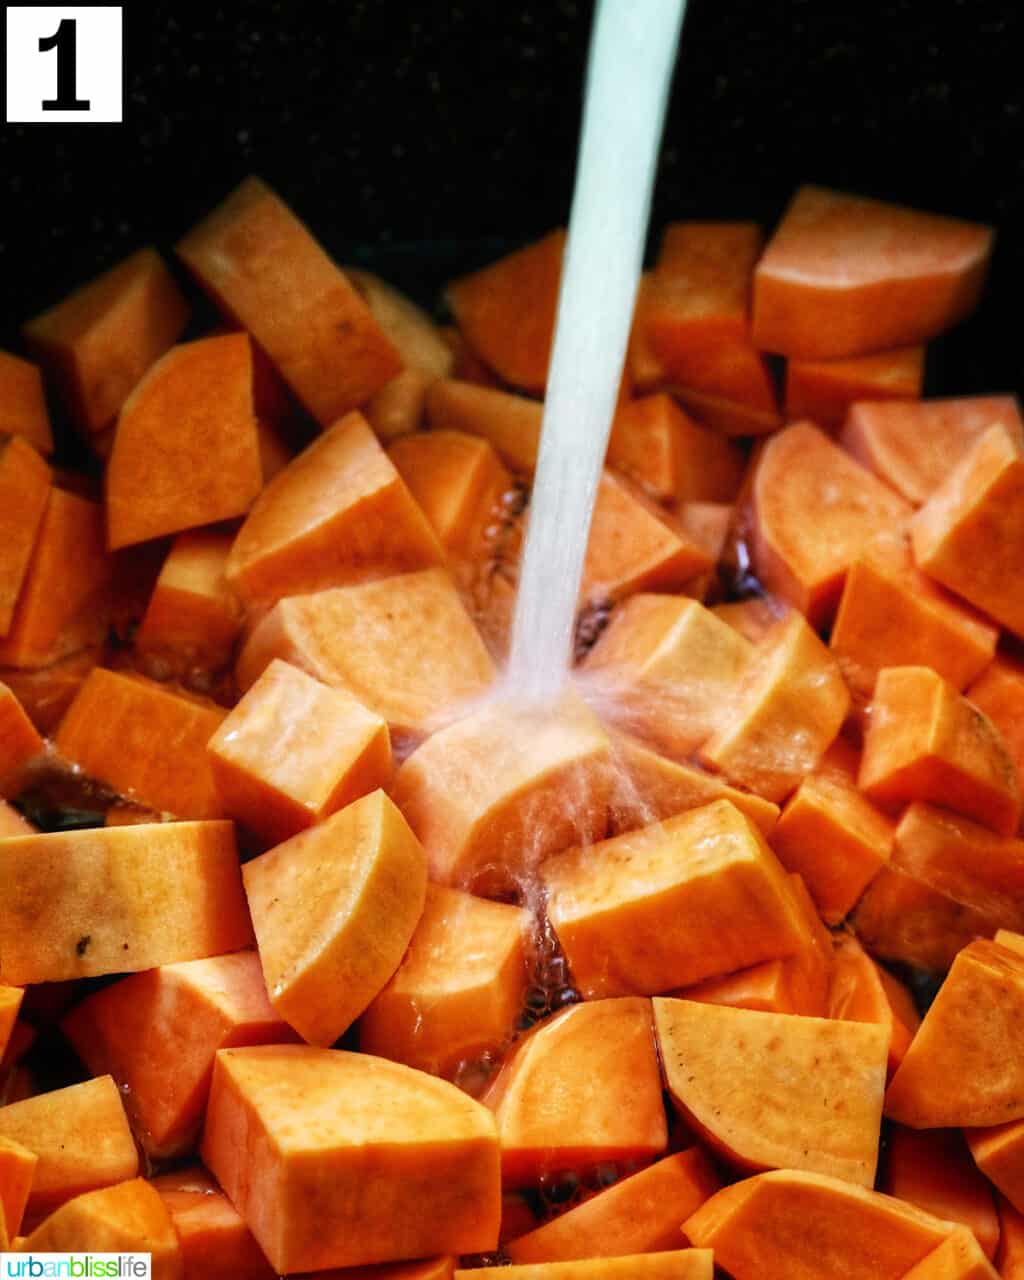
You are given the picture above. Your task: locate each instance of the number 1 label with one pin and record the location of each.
(65, 64)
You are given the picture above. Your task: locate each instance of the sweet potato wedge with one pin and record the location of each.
(511, 423)
(215, 1242)
(397, 409)
(823, 391)
(999, 694)
(1010, 1256)
(415, 336)
(862, 991)
(17, 1169)
(998, 1152)
(958, 1258)
(20, 744)
(933, 1169)
(23, 409)
(24, 493)
(47, 692)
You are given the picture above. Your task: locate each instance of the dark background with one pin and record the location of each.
(423, 138)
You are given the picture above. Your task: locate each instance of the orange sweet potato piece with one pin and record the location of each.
(958, 1258)
(787, 709)
(23, 409)
(969, 535)
(861, 991)
(507, 310)
(1010, 1257)
(98, 342)
(913, 447)
(774, 1090)
(397, 409)
(927, 742)
(999, 1154)
(695, 896)
(12, 823)
(844, 275)
(661, 448)
(334, 910)
(156, 1033)
(495, 792)
(10, 1003)
(752, 618)
(127, 1218)
(339, 513)
(145, 741)
(119, 899)
(294, 751)
(19, 741)
(824, 390)
(295, 1160)
(964, 1066)
(457, 479)
(215, 1242)
(17, 1169)
(24, 493)
(638, 1215)
(582, 1088)
(267, 272)
(511, 423)
(933, 1170)
(999, 694)
(459, 989)
(192, 619)
(414, 335)
(47, 692)
(468, 366)
(815, 510)
(793, 1225)
(81, 1138)
(677, 1264)
(186, 452)
(404, 646)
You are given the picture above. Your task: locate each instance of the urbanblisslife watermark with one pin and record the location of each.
(76, 1266)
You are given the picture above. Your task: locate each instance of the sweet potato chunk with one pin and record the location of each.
(100, 340)
(268, 273)
(792, 1225)
(294, 751)
(19, 741)
(926, 742)
(492, 794)
(186, 451)
(965, 1063)
(404, 646)
(192, 619)
(678, 1264)
(511, 423)
(998, 1152)
(815, 511)
(10, 1001)
(145, 741)
(1010, 1257)
(958, 1258)
(339, 513)
(215, 1242)
(862, 991)
(459, 989)
(999, 694)
(127, 1218)
(507, 310)
(23, 409)
(80, 1136)
(580, 1089)
(824, 390)
(334, 909)
(17, 1169)
(752, 618)
(845, 275)
(24, 493)
(156, 1033)
(969, 535)
(119, 899)
(933, 1170)
(914, 447)
(294, 1134)
(695, 896)
(640, 1214)
(772, 1090)
(397, 409)
(415, 336)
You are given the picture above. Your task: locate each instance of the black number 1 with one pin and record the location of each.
(65, 41)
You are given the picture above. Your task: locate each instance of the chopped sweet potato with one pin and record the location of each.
(677, 1264)
(752, 618)
(511, 423)
(119, 899)
(294, 751)
(294, 1134)
(823, 391)
(862, 991)
(459, 989)
(698, 895)
(999, 694)
(846, 275)
(20, 744)
(80, 1136)
(156, 1033)
(927, 742)
(215, 1242)
(413, 333)
(933, 1169)
(773, 1090)
(815, 511)
(963, 1068)
(145, 741)
(339, 513)
(969, 535)
(24, 494)
(186, 452)
(638, 1215)
(793, 1225)
(468, 366)
(17, 1169)
(334, 909)
(127, 1218)
(998, 1152)
(642, 366)
(10, 1004)
(99, 341)
(23, 409)
(404, 646)
(494, 793)
(958, 1258)
(507, 310)
(192, 619)
(580, 1089)
(914, 447)
(267, 272)
(1010, 1257)
(397, 409)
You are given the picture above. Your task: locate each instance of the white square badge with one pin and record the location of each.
(65, 64)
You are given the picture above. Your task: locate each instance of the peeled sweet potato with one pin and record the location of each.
(958, 1258)
(17, 1169)
(215, 1242)
(20, 744)
(397, 409)
(47, 692)
(999, 694)
(1010, 1257)
(511, 423)
(413, 333)
(24, 493)
(824, 390)
(998, 1151)
(933, 1169)
(23, 409)
(862, 991)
